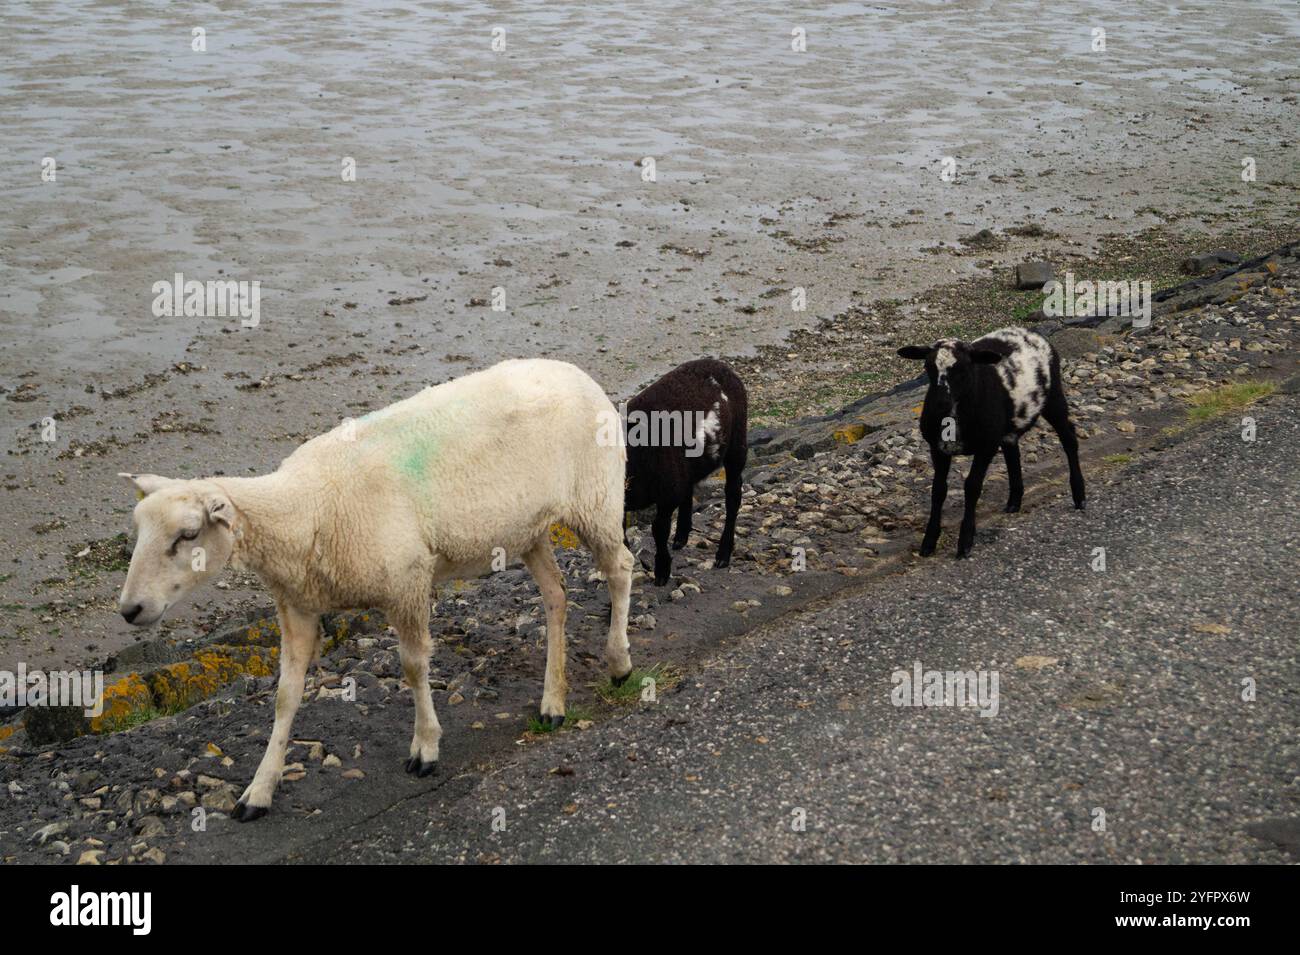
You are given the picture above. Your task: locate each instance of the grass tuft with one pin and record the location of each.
(572, 714)
(664, 675)
(1227, 399)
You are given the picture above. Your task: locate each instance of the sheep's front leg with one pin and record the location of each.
(298, 633)
(415, 646)
(938, 494)
(540, 561)
(974, 484)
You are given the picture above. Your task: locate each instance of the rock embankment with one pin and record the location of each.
(826, 500)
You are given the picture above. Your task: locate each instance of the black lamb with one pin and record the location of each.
(680, 430)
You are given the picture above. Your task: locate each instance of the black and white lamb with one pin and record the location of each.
(680, 430)
(983, 396)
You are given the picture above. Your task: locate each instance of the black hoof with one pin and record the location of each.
(550, 721)
(721, 562)
(678, 545)
(963, 553)
(1013, 508)
(245, 813)
(418, 767)
(927, 550)
(620, 680)
(662, 581)
(1080, 505)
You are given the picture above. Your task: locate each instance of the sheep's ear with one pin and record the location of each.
(985, 356)
(914, 352)
(146, 484)
(218, 509)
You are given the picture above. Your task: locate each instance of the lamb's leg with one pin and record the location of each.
(540, 561)
(1011, 454)
(615, 562)
(938, 494)
(684, 520)
(663, 556)
(735, 478)
(298, 632)
(974, 484)
(415, 646)
(1057, 413)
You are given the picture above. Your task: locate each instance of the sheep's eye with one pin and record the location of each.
(184, 536)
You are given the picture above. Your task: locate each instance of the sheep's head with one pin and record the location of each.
(184, 537)
(950, 363)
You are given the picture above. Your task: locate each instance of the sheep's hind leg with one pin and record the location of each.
(615, 562)
(1057, 413)
(1011, 454)
(415, 646)
(684, 520)
(735, 468)
(298, 633)
(540, 560)
(663, 556)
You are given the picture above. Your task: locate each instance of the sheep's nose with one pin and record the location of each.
(130, 613)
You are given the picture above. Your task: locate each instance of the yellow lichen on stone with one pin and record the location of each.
(561, 536)
(849, 434)
(180, 685)
(124, 701)
(264, 632)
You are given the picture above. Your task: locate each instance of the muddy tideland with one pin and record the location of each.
(418, 190)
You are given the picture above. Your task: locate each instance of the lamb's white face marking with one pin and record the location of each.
(945, 357)
(1026, 373)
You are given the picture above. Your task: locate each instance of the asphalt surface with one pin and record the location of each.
(1140, 716)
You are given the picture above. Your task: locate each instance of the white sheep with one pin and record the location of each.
(378, 510)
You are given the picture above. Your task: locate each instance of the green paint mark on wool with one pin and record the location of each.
(415, 456)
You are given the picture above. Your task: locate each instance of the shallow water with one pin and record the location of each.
(227, 163)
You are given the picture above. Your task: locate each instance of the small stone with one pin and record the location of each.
(353, 774)
(90, 857)
(45, 832)
(1127, 427)
(331, 760)
(149, 826)
(1033, 275)
(219, 800)
(154, 855)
